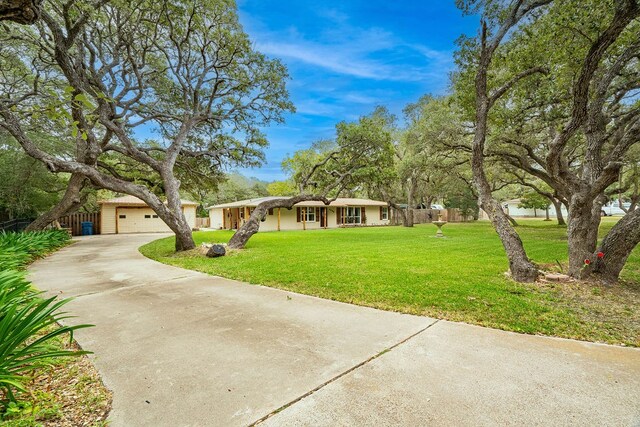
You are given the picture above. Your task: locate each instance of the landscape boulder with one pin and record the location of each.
(216, 251)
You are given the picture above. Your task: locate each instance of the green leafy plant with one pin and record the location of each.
(18, 249)
(14, 289)
(26, 340)
(29, 325)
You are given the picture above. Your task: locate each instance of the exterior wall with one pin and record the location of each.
(136, 221)
(373, 216)
(216, 219)
(515, 211)
(190, 215)
(288, 219)
(107, 219)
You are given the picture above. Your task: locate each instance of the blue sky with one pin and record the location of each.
(346, 57)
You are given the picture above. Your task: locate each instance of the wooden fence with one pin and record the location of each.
(203, 222)
(424, 216)
(74, 222)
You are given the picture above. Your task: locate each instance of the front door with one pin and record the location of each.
(323, 217)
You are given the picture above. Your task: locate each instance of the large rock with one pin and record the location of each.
(216, 251)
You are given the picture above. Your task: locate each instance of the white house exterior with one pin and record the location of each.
(304, 215)
(511, 208)
(129, 214)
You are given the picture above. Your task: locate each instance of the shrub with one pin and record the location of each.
(28, 324)
(27, 332)
(18, 249)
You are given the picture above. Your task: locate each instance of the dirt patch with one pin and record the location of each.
(614, 309)
(67, 394)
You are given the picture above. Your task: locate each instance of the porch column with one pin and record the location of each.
(224, 218)
(278, 219)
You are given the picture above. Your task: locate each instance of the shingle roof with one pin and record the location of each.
(337, 202)
(134, 201)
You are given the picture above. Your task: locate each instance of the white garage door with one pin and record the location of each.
(139, 220)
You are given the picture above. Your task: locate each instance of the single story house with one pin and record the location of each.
(303, 216)
(128, 214)
(511, 208)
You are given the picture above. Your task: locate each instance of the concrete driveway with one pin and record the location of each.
(180, 348)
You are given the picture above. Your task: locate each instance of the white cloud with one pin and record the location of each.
(354, 51)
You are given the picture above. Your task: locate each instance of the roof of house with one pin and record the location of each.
(338, 202)
(134, 201)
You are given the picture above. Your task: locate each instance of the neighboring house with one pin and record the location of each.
(303, 216)
(129, 214)
(511, 208)
(614, 208)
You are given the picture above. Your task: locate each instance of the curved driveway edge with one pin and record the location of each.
(181, 348)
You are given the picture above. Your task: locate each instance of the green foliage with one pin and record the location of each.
(27, 188)
(26, 333)
(464, 200)
(281, 188)
(28, 324)
(533, 200)
(360, 157)
(18, 249)
(431, 150)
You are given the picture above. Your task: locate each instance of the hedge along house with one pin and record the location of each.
(309, 215)
(129, 214)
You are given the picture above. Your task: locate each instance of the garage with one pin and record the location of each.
(129, 214)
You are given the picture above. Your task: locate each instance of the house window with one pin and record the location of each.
(353, 215)
(122, 216)
(384, 213)
(155, 216)
(147, 216)
(308, 214)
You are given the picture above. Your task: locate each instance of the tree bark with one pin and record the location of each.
(557, 204)
(69, 202)
(582, 233)
(24, 12)
(522, 269)
(408, 218)
(179, 224)
(616, 247)
(252, 225)
(511, 220)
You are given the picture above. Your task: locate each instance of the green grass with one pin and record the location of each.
(458, 278)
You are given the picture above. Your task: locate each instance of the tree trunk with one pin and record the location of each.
(557, 204)
(522, 269)
(176, 219)
(252, 224)
(582, 233)
(616, 247)
(408, 218)
(21, 11)
(69, 202)
(184, 235)
(546, 214)
(511, 220)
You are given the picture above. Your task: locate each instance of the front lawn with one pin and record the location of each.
(459, 278)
